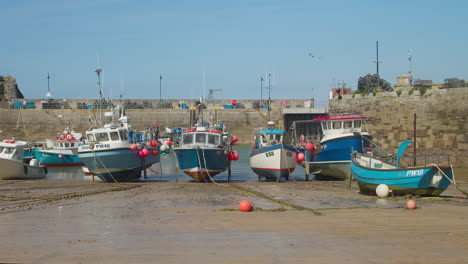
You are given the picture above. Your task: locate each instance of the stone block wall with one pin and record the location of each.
(441, 119)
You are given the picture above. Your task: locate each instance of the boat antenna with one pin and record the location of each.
(98, 71)
(269, 95)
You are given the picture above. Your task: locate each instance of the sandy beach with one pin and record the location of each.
(186, 222)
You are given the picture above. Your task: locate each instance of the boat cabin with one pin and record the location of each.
(11, 149)
(340, 124)
(269, 137)
(107, 135)
(201, 137)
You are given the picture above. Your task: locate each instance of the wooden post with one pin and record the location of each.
(306, 170)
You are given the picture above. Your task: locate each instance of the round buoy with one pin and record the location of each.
(234, 139)
(235, 155)
(155, 152)
(382, 190)
(140, 154)
(60, 156)
(411, 204)
(309, 146)
(245, 206)
(133, 147)
(163, 147)
(153, 143)
(145, 152)
(300, 157)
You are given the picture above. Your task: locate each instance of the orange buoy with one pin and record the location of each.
(411, 204)
(133, 147)
(245, 206)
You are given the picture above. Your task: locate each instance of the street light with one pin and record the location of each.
(261, 91)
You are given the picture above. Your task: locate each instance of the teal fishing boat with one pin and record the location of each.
(374, 167)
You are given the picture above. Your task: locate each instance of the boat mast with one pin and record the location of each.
(414, 139)
(98, 71)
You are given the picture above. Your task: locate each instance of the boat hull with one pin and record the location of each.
(117, 165)
(201, 163)
(273, 163)
(333, 160)
(15, 170)
(53, 159)
(423, 181)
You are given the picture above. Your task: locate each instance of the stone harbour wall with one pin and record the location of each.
(441, 119)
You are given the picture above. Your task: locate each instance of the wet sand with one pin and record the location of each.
(186, 222)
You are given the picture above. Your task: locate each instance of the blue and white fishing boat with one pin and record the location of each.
(114, 152)
(428, 179)
(331, 157)
(62, 151)
(203, 151)
(271, 156)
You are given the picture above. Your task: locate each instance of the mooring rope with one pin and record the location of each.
(452, 181)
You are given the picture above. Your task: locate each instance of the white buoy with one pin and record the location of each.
(382, 190)
(163, 147)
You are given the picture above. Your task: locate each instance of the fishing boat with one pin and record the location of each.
(330, 157)
(14, 165)
(271, 155)
(403, 175)
(62, 151)
(116, 153)
(205, 150)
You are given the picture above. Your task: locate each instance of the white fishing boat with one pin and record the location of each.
(271, 155)
(14, 165)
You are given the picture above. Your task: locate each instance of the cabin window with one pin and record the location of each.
(264, 139)
(200, 138)
(9, 150)
(67, 145)
(213, 139)
(102, 136)
(188, 139)
(61, 145)
(357, 123)
(72, 144)
(114, 136)
(329, 125)
(123, 135)
(347, 124)
(336, 124)
(324, 126)
(91, 137)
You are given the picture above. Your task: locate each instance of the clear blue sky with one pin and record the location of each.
(233, 42)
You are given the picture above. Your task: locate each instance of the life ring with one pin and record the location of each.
(69, 136)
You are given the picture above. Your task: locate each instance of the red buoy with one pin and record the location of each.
(235, 155)
(153, 143)
(133, 147)
(155, 152)
(60, 156)
(309, 146)
(145, 152)
(140, 154)
(245, 206)
(234, 139)
(300, 157)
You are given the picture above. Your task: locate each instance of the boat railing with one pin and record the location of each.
(425, 160)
